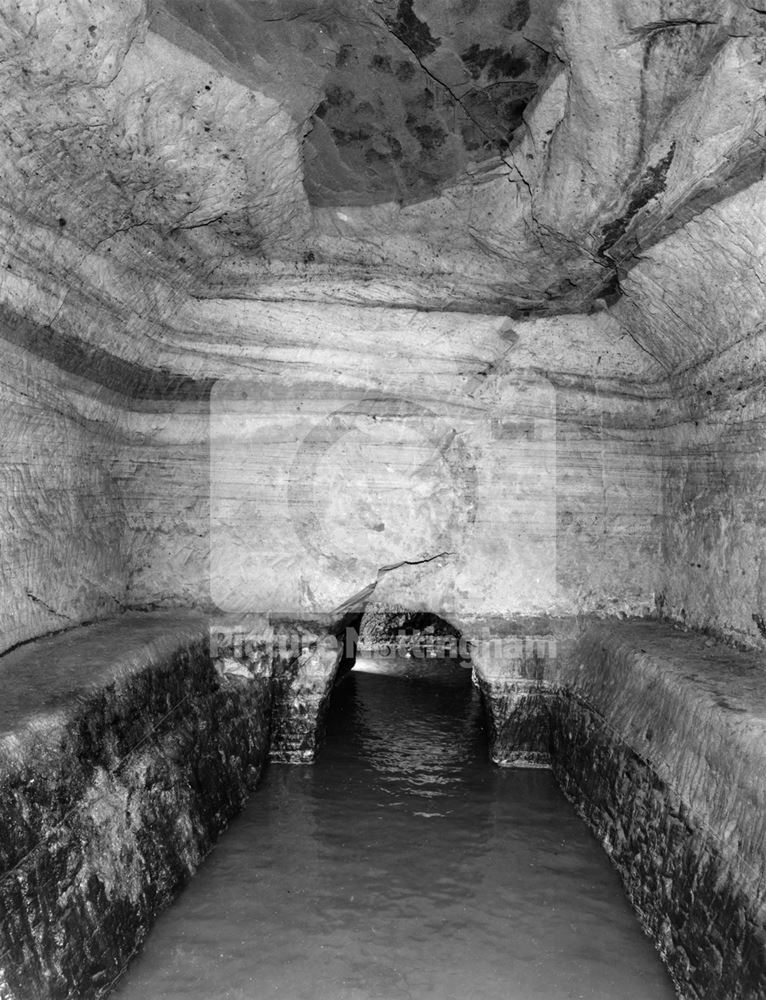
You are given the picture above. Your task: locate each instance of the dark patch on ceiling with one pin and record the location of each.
(497, 63)
(411, 31)
(651, 184)
(518, 15)
(411, 107)
(397, 98)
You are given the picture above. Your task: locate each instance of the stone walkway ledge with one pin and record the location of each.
(126, 746)
(693, 708)
(44, 680)
(658, 737)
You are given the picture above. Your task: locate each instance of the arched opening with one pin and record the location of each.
(397, 632)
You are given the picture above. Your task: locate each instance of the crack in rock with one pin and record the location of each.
(362, 595)
(58, 614)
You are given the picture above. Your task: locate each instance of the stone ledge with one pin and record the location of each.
(697, 904)
(694, 710)
(123, 754)
(657, 737)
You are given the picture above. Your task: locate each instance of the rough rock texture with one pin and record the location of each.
(552, 441)
(164, 463)
(658, 739)
(160, 460)
(456, 307)
(400, 100)
(125, 749)
(304, 672)
(180, 142)
(446, 502)
(713, 574)
(122, 756)
(386, 630)
(535, 426)
(62, 519)
(703, 910)
(194, 192)
(161, 469)
(303, 660)
(519, 717)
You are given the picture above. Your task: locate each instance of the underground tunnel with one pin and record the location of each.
(383, 392)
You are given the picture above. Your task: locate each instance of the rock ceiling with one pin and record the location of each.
(512, 157)
(393, 105)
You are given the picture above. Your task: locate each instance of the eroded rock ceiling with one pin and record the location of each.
(395, 102)
(520, 157)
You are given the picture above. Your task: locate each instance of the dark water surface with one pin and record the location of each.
(402, 866)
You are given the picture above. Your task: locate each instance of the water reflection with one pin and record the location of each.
(402, 865)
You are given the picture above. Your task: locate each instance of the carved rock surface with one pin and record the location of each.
(657, 739)
(122, 758)
(207, 192)
(171, 136)
(64, 553)
(126, 747)
(455, 307)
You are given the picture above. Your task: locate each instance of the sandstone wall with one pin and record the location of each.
(505, 470)
(156, 221)
(714, 495)
(162, 469)
(609, 519)
(521, 482)
(62, 519)
(696, 300)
